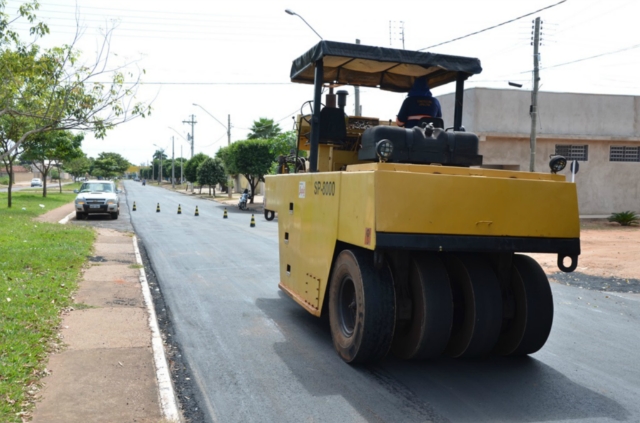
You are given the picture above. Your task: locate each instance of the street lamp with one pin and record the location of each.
(228, 128)
(292, 13)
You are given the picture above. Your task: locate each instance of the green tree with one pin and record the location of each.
(52, 89)
(47, 149)
(263, 128)
(108, 165)
(211, 172)
(77, 167)
(191, 167)
(251, 158)
(6, 144)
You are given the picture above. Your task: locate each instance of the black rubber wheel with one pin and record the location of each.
(361, 308)
(114, 216)
(477, 306)
(269, 215)
(428, 332)
(80, 215)
(529, 329)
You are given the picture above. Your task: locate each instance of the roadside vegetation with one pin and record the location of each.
(40, 264)
(626, 218)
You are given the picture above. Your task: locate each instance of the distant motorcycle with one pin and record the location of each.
(144, 182)
(242, 204)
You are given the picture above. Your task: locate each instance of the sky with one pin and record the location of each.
(233, 58)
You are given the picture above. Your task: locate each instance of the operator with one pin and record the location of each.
(418, 104)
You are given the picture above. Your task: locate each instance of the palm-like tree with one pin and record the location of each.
(264, 128)
(159, 154)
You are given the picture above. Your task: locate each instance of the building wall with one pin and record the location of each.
(501, 120)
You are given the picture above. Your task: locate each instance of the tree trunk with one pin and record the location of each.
(10, 169)
(44, 184)
(253, 183)
(59, 180)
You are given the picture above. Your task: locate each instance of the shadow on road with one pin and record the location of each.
(481, 390)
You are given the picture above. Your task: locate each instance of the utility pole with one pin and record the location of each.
(534, 94)
(228, 144)
(173, 165)
(181, 178)
(400, 32)
(192, 122)
(160, 178)
(356, 92)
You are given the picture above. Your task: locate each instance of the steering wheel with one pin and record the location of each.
(307, 118)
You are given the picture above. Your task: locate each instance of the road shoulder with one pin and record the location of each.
(106, 372)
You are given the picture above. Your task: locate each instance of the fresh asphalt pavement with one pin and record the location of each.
(256, 356)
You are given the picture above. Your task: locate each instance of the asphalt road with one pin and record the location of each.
(256, 356)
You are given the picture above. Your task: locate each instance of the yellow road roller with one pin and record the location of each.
(400, 235)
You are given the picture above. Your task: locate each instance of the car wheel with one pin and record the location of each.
(114, 215)
(79, 215)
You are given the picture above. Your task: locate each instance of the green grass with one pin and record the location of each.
(40, 264)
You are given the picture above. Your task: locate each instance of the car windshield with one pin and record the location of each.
(96, 187)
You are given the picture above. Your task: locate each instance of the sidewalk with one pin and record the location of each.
(107, 372)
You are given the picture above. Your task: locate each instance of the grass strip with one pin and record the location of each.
(40, 264)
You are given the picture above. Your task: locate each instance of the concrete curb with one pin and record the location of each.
(166, 393)
(66, 219)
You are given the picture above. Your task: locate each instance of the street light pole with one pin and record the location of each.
(292, 13)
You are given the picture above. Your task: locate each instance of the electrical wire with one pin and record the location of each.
(494, 26)
(588, 58)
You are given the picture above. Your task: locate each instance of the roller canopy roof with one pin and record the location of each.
(386, 68)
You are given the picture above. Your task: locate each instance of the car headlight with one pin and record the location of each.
(80, 202)
(111, 202)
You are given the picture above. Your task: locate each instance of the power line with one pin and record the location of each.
(147, 12)
(494, 26)
(589, 58)
(198, 83)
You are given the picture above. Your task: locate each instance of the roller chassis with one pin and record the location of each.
(421, 260)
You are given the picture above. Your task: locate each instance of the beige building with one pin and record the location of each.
(602, 132)
(21, 174)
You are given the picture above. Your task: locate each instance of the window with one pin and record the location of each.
(573, 152)
(624, 154)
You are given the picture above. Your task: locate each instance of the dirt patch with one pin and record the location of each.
(609, 260)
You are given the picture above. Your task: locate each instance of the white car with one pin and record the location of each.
(36, 182)
(97, 197)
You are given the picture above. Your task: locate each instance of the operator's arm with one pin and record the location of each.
(403, 114)
(439, 109)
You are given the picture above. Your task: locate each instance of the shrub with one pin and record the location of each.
(626, 218)
(4, 180)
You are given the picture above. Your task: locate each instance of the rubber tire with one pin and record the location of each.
(477, 306)
(428, 333)
(374, 316)
(529, 330)
(115, 215)
(80, 215)
(269, 215)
